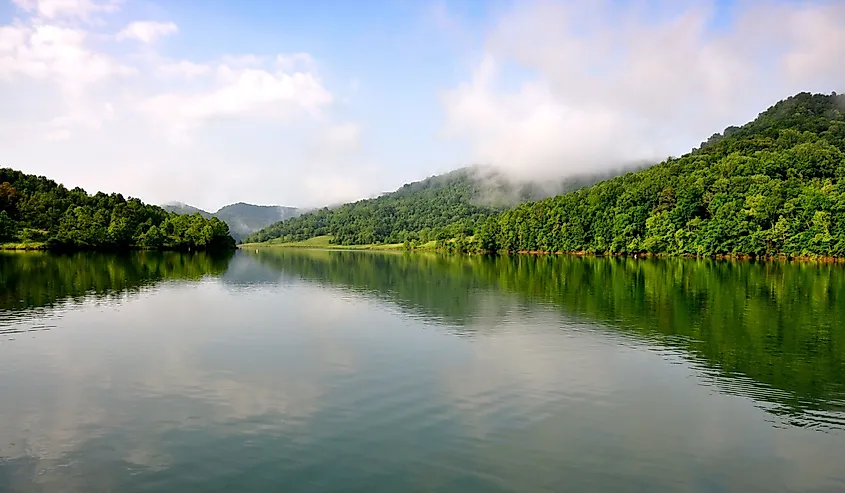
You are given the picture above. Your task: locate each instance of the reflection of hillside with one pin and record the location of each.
(776, 324)
(35, 279)
(433, 286)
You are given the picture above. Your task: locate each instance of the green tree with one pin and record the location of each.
(37, 209)
(7, 226)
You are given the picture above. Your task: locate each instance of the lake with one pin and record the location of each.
(317, 371)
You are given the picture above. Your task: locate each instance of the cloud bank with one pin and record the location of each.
(102, 105)
(147, 31)
(571, 87)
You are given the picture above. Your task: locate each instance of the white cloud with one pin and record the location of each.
(333, 188)
(11, 37)
(570, 87)
(88, 116)
(60, 57)
(240, 93)
(531, 133)
(147, 31)
(53, 9)
(560, 87)
(818, 44)
(344, 137)
(110, 116)
(59, 54)
(183, 68)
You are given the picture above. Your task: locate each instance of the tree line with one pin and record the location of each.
(34, 209)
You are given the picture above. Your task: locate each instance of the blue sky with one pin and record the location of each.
(311, 103)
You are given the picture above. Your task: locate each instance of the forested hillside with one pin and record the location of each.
(444, 206)
(439, 207)
(775, 186)
(34, 209)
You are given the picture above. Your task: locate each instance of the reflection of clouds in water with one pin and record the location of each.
(598, 401)
(328, 315)
(52, 408)
(243, 270)
(117, 367)
(514, 358)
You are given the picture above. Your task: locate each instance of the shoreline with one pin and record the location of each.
(732, 256)
(25, 246)
(42, 247)
(338, 248)
(325, 243)
(400, 248)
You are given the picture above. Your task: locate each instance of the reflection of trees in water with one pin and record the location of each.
(36, 279)
(434, 286)
(777, 324)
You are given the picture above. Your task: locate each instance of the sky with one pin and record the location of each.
(320, 102)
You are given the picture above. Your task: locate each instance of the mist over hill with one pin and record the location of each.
(182, 208)
(438, 207)
(772, 187)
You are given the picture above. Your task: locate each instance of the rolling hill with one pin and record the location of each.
(772, 187)
(439, 207)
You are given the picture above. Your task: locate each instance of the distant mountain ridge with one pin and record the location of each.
(243, 219)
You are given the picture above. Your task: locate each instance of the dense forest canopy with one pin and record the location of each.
(775, 186)
(36, 209)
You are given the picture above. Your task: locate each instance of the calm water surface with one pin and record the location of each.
(315, 371)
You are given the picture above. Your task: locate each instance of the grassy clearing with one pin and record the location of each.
(24, 245)
(323, 243)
